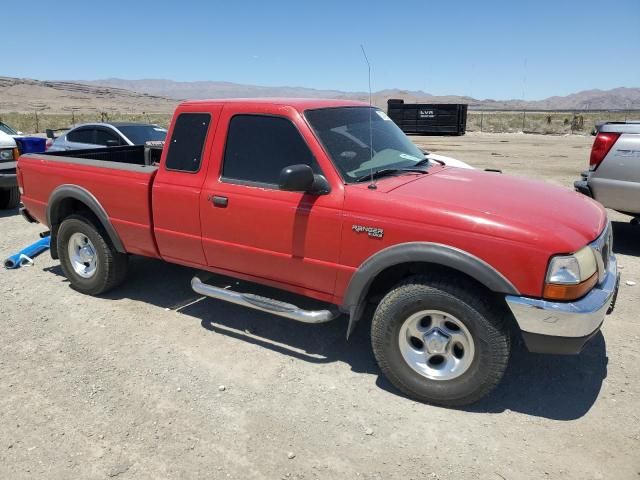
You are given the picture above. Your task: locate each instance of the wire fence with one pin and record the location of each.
(39, 122)
(553, 122)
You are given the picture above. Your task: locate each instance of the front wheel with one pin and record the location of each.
(439, 341)
(88, 260)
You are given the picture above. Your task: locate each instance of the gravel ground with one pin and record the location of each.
(152, 382)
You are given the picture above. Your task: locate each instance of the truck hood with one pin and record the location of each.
(7, 141)
(505, 206)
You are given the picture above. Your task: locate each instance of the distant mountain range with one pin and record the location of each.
(27, 95)
(161, 96)
(618, 98)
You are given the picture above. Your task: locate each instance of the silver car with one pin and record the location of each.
(613, 177)
(98, 135)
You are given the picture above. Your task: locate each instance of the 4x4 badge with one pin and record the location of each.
(373, 232)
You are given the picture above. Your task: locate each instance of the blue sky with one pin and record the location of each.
(488, 49)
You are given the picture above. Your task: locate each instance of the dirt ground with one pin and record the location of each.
(149, 381)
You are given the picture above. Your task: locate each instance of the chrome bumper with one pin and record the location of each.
(579, 319)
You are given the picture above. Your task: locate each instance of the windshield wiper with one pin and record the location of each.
(383, 172)
(422, 163)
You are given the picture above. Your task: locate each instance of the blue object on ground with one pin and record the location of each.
(31, 144)
(26, 255)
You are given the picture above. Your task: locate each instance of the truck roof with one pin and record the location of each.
(299, 104)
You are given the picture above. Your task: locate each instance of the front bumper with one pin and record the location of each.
(565, 327)
(8, 177)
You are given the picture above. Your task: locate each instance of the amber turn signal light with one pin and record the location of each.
(556, 291)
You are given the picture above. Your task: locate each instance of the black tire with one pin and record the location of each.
(111, 266)
(9, 198)
(453, 295)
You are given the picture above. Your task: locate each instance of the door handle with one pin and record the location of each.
(219, 201)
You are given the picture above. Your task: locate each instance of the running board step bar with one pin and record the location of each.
(264, 304)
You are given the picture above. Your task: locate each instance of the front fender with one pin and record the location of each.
(421, 252)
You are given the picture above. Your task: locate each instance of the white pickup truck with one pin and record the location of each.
(9, 194)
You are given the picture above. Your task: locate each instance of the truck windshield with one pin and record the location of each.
(361, 140)
(7, 129)
(139, 134)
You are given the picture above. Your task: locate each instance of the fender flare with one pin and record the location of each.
(76, 192)
(423, 252)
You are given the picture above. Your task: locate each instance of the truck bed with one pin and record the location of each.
(118, 177)
(133, 155)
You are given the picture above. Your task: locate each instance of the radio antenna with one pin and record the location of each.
(372, 185)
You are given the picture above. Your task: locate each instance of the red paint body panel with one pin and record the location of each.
(125, 196)
(511, 223)
(305, 243)
(284, 236)
(176, 200)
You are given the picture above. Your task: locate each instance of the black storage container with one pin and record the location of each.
(428, 118)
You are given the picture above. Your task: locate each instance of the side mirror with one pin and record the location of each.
(113, 143)
(296, 178)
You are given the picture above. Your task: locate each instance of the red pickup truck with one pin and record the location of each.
(330, 203)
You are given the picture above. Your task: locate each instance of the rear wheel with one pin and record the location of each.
(9, 198)
(439, 341)
(87, 258)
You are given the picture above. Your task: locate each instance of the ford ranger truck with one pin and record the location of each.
(328, 206)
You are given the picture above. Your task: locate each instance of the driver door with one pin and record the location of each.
(251, 227)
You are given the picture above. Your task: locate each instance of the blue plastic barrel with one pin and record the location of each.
(31, 144)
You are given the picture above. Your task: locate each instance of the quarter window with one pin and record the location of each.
(259, 147)
(187, 142)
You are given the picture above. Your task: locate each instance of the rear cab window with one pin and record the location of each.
(187, 142)
(258, 147)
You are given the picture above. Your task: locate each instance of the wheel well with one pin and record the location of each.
(65, 208)
(393, 275)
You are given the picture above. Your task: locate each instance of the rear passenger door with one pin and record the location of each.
(251, 227)
(82, 137)
(178, 183)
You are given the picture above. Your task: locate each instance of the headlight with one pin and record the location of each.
(7, 155)
(571, 276)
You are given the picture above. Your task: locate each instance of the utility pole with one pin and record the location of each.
(37, 107)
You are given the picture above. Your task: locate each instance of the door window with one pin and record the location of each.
(82, 135)
(103, 135)
(187, 142)
(259, 147)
